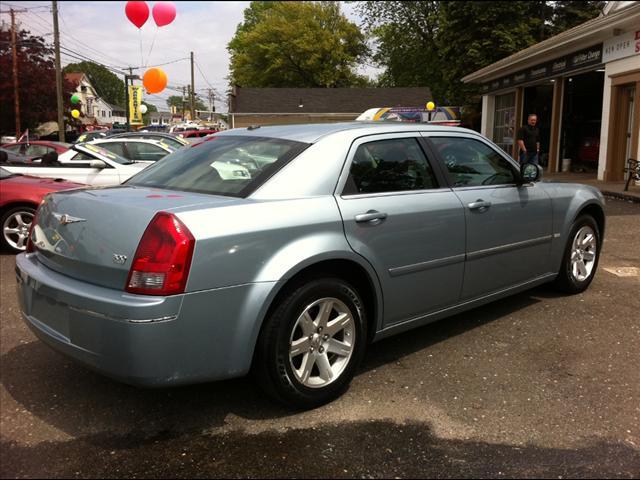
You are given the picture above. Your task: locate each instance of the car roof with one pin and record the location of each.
(128, 140)
(311, 133)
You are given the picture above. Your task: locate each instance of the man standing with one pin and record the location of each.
(529, 141)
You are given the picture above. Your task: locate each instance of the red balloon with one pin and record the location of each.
(164, 13)
(137, 13)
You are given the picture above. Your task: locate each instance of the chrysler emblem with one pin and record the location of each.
(65, 219)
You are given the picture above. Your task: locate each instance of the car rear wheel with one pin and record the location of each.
(581, 256)
(312, 343)
(16, 223)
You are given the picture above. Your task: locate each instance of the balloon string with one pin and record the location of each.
(153, 42)
(141, 55)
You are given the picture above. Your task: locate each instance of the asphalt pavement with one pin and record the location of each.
(536, 385)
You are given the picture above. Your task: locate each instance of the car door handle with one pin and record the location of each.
(370, 216)
(479, 205)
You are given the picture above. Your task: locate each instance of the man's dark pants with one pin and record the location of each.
(528, 157)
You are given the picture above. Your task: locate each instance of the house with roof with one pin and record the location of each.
(95, 109)
(271, 106)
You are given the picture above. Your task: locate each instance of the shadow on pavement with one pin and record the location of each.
(349, 450)
(83, 403)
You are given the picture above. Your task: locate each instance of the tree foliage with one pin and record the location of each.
(176, 101)
(296, 44)
(107, 84)
(36, 81)
(435, 44)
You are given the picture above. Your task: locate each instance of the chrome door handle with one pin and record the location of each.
(479, 205)
(370, 216)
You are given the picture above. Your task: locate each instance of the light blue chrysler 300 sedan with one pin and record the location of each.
(328, 237)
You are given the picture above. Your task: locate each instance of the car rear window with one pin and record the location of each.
(227, 165)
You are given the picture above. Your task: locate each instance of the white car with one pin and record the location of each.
(148, 152)
(83, 163)
(137, 149)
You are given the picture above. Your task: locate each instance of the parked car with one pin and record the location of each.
(193, 136)
(342, 234)
(589, 150)
(173, 140)
(83, 163)
(9, 156)
(137, 149)
(37, 148)
(20, 196)
(91, 136)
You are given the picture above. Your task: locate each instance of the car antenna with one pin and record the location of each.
(253, 127)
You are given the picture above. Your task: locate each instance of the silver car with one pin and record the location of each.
(339, 235)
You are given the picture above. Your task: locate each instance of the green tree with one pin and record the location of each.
(145, 116)
(296, 44)
(435, 44)
(107, 84)
(568, 14)
(37, 85)
(176, 101)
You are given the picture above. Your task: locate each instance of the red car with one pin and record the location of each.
(37, 148)
(196, 135)
(20, 195)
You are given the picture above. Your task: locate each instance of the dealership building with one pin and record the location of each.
(584, 86)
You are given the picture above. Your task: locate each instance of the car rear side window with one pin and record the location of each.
(225, 165)
(394, 165)
(472, 163)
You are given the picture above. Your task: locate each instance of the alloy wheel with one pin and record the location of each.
(322, 342)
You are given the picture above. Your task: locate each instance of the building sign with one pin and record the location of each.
(621, 46)
(584, 58)
(135, 100)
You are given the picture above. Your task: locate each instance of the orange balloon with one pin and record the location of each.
(154, 80)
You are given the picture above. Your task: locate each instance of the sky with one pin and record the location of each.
(102, 32)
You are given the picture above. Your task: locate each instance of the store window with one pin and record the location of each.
(504, 121)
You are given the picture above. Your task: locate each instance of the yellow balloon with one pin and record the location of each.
(431, 106)
(75, 113)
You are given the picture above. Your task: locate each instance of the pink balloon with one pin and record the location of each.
(137, 13)
(164, 13)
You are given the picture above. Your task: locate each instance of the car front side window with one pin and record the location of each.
(392, 165)
(472, 163)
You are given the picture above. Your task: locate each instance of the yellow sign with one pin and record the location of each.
(135, 100)
(431, 106)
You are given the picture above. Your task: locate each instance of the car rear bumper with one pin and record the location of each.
(143, 340)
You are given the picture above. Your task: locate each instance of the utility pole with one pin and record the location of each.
(211, 109)
(183, 94)
(193, 92)
(16, 93)
(56, 46)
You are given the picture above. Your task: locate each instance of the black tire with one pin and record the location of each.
(272, 366)
(6, 243)
(566, 281)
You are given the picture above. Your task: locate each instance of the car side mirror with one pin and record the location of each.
(99, 164)
(530, 172)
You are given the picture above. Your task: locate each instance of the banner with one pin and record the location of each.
(135, 100)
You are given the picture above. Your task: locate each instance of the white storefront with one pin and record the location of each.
(584, 85)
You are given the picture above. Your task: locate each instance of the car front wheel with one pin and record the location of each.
(581, 256)
(16, 223)
(312, 343)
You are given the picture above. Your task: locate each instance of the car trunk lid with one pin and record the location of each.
(92, 235)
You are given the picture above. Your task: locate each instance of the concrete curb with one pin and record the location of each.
(621, 196)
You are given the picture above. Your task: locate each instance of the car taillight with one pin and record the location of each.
(163, 258)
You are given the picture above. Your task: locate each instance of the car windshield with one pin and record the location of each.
(228, 165)
(104, 152)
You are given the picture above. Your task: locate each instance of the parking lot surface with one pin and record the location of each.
(536, 385)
